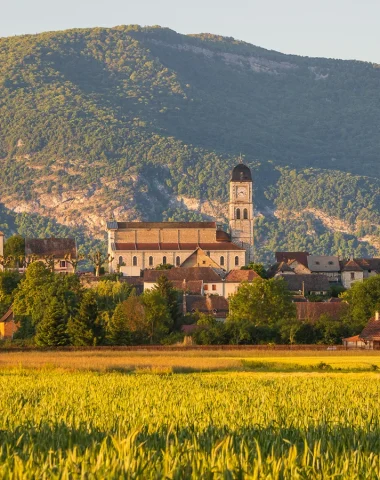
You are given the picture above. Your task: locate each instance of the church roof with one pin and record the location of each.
(112, 225)
(241, 173)
(191, 247)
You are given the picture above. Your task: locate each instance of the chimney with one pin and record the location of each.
(377, 317)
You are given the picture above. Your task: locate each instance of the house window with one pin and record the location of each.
(151, 261)
(236, 261)
(208, 254)
(62, 264)
(245, 214)
(352, 276)
(222, 261)
(178, 261)
(331, 263)
(238, 213)
(214, 287)
(164, 261)
(120, 260)
(134, 261)
(317, 263)
(205, 287)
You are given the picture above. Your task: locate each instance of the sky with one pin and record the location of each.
(345, 29)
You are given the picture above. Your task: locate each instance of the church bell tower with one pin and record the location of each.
(241, 209)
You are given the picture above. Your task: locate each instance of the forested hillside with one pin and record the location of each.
(145, 123)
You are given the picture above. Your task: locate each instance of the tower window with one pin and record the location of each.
(178, 261)
(164, 261)
(151, 261)
(120, 260)
(238, 213)
(221, 261)
(245, 214)
(134, 261)
(236, 261)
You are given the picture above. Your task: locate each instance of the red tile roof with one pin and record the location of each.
(235, 276)
(190, 247)
(371, 330)
(286, 257)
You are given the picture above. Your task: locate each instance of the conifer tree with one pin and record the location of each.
(118, 331)
(52, 330)
(84, 328)
(166, 290)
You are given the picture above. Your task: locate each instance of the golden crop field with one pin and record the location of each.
(296, 416)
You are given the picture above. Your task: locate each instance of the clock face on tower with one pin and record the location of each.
(241, 192)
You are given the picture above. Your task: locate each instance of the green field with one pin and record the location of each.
(290, 420)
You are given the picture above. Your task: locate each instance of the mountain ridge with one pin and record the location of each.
(126, 121)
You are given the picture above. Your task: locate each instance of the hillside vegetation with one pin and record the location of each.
(145, 123)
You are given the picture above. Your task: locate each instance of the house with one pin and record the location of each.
(358, 269)
(355, 342)
(8, 326)
(312, 311)
(280, 268)
(136, 246)
(234, 279)
(326, 265)
(371, 333)
(215, 306)
(200, 279)
(312, 284)
(292, 257)
(62, 252)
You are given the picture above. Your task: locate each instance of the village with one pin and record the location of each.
(207, 265)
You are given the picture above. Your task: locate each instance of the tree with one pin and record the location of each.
(85, 328)
(51, 331)
(165, 288)
(74, 262)
(364, 300)
(158, 321)
(166, 266)
(262, 303)
(15, 247)
(98, 260)
(118, 331)
(256, 267)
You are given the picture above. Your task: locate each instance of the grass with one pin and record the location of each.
(190, 361)
(153, 424)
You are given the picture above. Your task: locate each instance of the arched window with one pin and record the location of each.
(120, 260)
(238, 213)
(222, 261)
(245, 214)
(151, 261)
(164, 261)
(178, 261)
(134, 261)
(236, 261)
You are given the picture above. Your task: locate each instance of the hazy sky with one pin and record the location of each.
(324, 28)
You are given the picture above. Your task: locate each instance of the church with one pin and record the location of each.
(136, 246)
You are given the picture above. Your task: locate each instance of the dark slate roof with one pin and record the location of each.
(207, 274)
(323, 263)
(148, 225)
(235, 276)
(59, 247)
(312, 311)
(372, 329)
(311, 282)
(241, 173)
(279, 267)
(214, 305)
(190, 247)
(286, 257)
